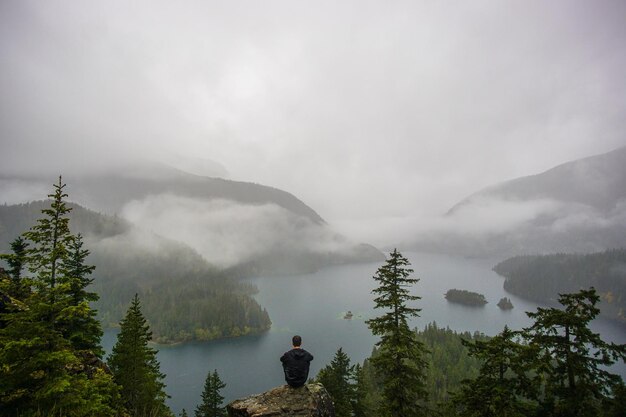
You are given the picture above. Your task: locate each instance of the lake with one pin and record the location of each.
(313, 306)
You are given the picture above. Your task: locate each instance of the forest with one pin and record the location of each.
(52, 362)
(184, 297)
(555, 367)
(543, 277)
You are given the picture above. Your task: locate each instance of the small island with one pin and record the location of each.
(348, 315)
(465, 297)
(505, 303)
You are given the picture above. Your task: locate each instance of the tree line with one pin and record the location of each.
(183, 296)
(555, 367)
(51, 359)
(543, 277)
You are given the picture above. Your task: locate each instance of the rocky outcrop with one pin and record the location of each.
(311, 400)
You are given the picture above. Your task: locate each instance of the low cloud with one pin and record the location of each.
(17, 191)
(226, 233)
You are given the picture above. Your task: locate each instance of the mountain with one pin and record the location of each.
(183, 297)
(579, 206)
(110, 191)
(241, 226)
(598, 182)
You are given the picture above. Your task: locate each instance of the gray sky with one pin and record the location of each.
(370, 112)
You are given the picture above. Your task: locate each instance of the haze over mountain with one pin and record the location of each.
(579, 206)
(230, 223)
(380, 116)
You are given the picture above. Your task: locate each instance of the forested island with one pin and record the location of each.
(543, 277)
(505, 303)
(465, 297)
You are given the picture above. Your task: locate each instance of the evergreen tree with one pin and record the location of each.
(80, 324)
(50, 239)
(135, 367)
(572, 358)
(183, 413)
(337, 379)
(400, 363)
(19, 287)
(211, 405)
(503, 385)
(42, 373)
(361, 389)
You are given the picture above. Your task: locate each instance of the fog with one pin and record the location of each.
(226, 233)
(379, 116)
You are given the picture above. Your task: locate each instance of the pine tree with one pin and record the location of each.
(50, 239)
(42, 372)
(400, 363)
(19, 287)
(80, 324)
(504, 386)
(183, 413)
(135, 367)
(211, 405)
(361, 389)
(572, 358)
(337, 379)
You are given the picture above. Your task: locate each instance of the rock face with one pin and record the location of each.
(311, 400)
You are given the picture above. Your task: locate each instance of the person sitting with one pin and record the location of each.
(296, 364)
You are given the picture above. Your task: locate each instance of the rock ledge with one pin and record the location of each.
(311, 400)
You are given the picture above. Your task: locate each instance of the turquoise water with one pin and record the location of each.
(313, 306)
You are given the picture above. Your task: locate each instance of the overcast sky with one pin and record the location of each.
(366, 110)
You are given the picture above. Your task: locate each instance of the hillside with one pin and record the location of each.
(110, 191)
(183, 297)
(579, 206)
(250, 228)
(543, 278)
(598, 182)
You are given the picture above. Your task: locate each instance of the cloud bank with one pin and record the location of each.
(368, 111)
(227, 233)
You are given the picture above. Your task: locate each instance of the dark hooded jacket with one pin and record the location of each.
(296, 366)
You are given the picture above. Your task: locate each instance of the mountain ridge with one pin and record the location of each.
(526, 187)
(136, 181)
(577, 206)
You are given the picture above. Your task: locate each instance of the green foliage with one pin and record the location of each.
(50, 239)
(465, 297)
(44, 370)
(572, 359)
(400, 363)
(19, 287)
(543, 278)
(448, 361)
(362, 388)
(556, 367)
(135, 367)
(448, 365)
(504, 386)
(183, 297)
(337, 378)
(212, 400)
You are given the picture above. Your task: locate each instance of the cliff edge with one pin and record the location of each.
(311, 400)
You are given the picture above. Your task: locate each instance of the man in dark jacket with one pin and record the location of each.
(296, 364)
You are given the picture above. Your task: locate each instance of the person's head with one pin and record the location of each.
(296, 341)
